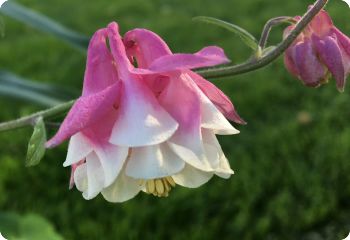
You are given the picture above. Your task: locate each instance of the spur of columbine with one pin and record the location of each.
(145, 128)
(319, 51)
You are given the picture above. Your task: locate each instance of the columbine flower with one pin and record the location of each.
(321, 50)
(147, 128)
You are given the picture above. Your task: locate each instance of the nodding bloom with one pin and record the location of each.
(145, 128)
(319, 51)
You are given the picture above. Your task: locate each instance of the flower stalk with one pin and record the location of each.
(208, 73)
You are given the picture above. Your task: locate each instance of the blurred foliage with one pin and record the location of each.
(291, 161)
(28, 227)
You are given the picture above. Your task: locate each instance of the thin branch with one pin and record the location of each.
(30, 120)
(273, 55)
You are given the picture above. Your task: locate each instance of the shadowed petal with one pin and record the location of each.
(311, 71)
(153, 162)
(123, 189)
(329, 52)
(191, 177)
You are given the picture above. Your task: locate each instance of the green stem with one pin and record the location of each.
(209, 73)
(273, 55)
(30, 120)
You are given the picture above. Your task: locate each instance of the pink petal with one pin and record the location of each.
(100, 71)
(141, 121)
(145, 46)
(343, 40)
(186, 110)
(321, 24)
(209, 56)
(330, 54)
(311, 71)
(216, 96)
(118, 50)
(85, 112)
(289, 62)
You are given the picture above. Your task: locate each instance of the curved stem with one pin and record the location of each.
(268, 26)
(278, 51)
(209, 73)
(30, 120)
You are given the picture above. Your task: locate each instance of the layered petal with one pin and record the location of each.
(145, 46)
(85, 112)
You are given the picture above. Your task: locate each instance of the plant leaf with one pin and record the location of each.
(46, 95)
(246, 37)
(29, 226)
(43, 23)
(36, 145)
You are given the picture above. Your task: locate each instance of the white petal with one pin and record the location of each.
(112, 160)
(79, 147)
(80, 177)
(153, 162)
(191, 177)
(123, 189)
(196, 151)
(212, 118)
(223, 169)
(142, 121)
(95, 177)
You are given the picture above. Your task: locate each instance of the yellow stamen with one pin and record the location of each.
(159, 187)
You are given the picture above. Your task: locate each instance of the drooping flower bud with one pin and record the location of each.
(320, 51)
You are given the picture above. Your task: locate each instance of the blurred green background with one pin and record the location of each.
(291, 161)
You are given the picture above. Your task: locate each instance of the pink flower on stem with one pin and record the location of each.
(146, 128)
(320, 51)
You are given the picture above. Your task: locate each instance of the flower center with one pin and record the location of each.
(159, 187)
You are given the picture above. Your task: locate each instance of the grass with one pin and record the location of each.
(292, 176)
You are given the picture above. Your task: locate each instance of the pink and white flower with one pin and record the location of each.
(320, 51)
(146, 128)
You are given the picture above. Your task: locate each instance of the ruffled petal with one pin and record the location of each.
(100, 71)
(145, 46)
(311, 71)
(191, 177)
(112, 159)
(187, 140)
(153, 162)
(209, 56)
(211, 117)
(123, 189)
(142, 121)
(329, 52)
(85, 112)
(217, 97)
